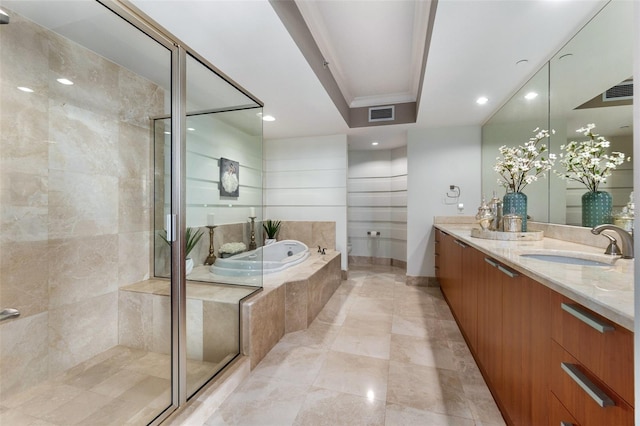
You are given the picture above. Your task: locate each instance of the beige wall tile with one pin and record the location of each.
(23, 286)
(81, 330)
(135, 205)
(134, 257)
(23, 353)
(82, 205)
(82, 268)
(221, 326)
(135, 316)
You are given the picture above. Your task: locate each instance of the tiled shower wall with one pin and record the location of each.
(75, 197)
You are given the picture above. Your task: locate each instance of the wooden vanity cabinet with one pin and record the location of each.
(521, 332)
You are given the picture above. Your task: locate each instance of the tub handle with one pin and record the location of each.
(7, 313)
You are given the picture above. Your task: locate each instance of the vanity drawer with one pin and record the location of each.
(603, 347)
(584, 396)
(559, 415)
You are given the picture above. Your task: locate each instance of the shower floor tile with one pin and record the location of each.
(119, 386)
(390, 354)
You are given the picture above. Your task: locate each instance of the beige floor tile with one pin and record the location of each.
(298, 364)
(371, 321)
(44, 403)
(354, 374)
(398, 415)
(366, 304)
(151, 364)
(77, 411)
(118, 383)
(323, 407)
(427, 388)
(318, 335)
(417, 327)
(418, 351)
(147, 391)
(451, 331)
(377, 288)
(261, 401)
(336, 309)
(366, 342)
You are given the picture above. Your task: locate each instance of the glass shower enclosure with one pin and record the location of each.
(111, 138)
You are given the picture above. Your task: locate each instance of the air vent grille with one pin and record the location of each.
(386, 113)
(620, 92)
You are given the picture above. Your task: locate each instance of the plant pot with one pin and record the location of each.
(269, 241)
(596, 208)
(188, 263)
(516, 203)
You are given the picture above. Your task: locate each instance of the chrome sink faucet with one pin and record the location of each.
(626, 239)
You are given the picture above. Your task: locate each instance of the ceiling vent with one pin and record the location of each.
(386, 113)
(620, 92)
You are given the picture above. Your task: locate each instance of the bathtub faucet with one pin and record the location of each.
(319, 250)
(323, 251)
(625, 238)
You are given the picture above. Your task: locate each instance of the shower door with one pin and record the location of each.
(89, 338)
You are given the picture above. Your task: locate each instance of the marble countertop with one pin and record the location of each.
(607, 290)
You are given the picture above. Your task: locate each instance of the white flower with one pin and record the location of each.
(521, 165)
(587, 162)
(232, 248)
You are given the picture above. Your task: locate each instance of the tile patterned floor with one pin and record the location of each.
(380, 353)
(121, 386)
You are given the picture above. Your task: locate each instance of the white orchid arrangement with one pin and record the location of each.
(232, 248)
(519, 166)
(587, 162)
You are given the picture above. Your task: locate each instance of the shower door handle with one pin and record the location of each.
(5, 314)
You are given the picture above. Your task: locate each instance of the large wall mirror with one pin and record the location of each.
(588, 81)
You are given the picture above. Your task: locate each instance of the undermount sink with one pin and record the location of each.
(571, 258)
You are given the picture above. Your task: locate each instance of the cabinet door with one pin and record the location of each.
(490, 322)
(451, 276)
(471, 265)
(514, 389)
(539, 346)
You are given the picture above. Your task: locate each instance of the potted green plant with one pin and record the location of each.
(271, 228)
(192, 236)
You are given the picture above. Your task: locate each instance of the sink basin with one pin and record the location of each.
(584, 259)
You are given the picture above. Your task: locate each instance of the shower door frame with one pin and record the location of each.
(179, 51)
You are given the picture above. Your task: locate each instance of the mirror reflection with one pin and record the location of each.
(588, 81)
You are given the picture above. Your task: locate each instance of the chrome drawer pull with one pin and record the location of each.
(5, 314)
(566, 424)
(507, 271)
(601, 398)
(490, 262)
(461, 244)
(587, 318)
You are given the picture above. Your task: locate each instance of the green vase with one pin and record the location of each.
(516, 202)
(596, 208)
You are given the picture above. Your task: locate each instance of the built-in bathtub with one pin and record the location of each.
(269, 259)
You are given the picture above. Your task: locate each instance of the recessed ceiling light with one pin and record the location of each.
(482, 100)
(268, 118)
(259, 114)
(374, 143)
(191, 129)
(522, 62)
(167, 133)
(25, 89)
(65, 81)
(530, 95)
(565, 56)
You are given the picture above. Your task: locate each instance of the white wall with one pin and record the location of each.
(306, 180)
(377, 200)
(438, 158)
(212, 139)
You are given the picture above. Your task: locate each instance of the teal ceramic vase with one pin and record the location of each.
(596, 208)
(516, 202)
